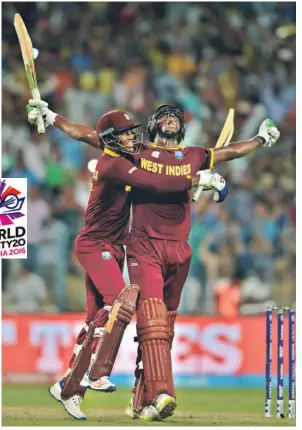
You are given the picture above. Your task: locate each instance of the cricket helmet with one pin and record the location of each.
(154, 127)
(112, 125)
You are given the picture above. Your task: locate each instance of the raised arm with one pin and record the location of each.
(235, 150)
(267, 136)
(78, 132)
(75, 131)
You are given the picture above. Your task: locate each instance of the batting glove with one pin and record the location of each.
(268, 133)
(211, 181)
(205, 178)
(39, 107)
(220, 188)
(220, 196)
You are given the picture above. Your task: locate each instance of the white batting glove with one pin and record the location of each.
(32, 115)
(269, 133)
(40, 107)
(218, 182)
(205, 178)
(211, 181)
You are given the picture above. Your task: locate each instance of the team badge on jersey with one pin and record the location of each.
(155, 154)
(106, 255)
(179, 155)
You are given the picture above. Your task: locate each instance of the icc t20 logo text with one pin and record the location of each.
(13, 218)
(10, 204)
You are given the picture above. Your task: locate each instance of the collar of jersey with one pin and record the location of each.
(179, 147)
(112, 153)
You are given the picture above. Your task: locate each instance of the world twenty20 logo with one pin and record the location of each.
(10, 204)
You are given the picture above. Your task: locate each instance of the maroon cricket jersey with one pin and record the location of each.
(108, 211)
(167, 216)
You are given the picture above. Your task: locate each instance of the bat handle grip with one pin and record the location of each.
(197, 193)
(40, 123)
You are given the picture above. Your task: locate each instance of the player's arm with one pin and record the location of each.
(123, 172)
(75, 131)
(78, 132)
(267, 136)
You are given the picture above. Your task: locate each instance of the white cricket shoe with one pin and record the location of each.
(102, 384)
(165, 405)
(149, 413)
(72, 405)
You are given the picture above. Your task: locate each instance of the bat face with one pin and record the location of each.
(28, 56)
(27, 51)
(31, 74)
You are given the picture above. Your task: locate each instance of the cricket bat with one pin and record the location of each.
(224, 138)
(29, 64)
(227, 131)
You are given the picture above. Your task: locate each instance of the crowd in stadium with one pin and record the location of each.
(206, 57)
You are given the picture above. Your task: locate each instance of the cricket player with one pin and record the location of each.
(165, 235)
(99, 249)
(158, 252)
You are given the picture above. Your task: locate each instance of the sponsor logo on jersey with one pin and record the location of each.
(155, 154)
(133, 264)
(179, 155)
(127, 116)
(106, 255)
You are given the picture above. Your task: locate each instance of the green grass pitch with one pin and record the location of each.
(31, 405)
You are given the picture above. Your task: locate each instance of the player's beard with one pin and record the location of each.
(166, 143)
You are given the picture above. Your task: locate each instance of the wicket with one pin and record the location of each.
(280, 361)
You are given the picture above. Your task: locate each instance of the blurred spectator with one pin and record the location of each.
(255, 295)
(53, 260)
(166, 52)
(26, 294)
(55, 172)
(35, 154)
(82, 187)
(69, 212)
(21, 171)
(38, 212)
(72, 152)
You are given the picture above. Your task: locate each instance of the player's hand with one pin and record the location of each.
(32, 115)
(220, 196)
(211, 181)
(269, 133)
(220, 188)
(40, 107)
(205, 178)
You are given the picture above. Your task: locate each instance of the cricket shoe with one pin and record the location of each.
(102, 384)
(165, 405)
(149, 413)
(72, 405)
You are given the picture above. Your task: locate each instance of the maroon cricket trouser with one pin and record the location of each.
(103, 264)
(160, 268)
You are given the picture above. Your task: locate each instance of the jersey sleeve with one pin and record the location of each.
(123, 172)
(206, 158)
